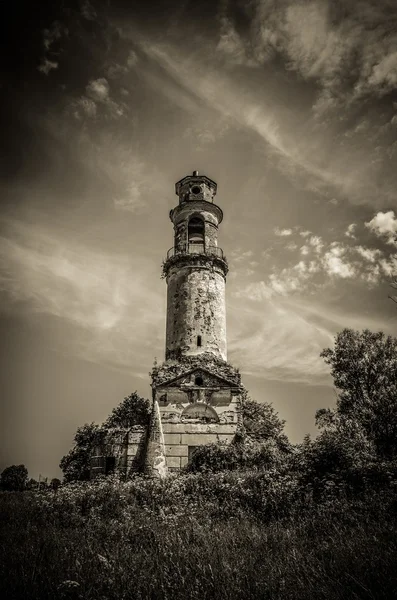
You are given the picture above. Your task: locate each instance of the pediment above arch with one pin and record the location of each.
(197, 377)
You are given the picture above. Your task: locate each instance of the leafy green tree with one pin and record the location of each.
(364, 369)
(133, 410)
(14, 478)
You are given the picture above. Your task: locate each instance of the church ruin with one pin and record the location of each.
(196, 393)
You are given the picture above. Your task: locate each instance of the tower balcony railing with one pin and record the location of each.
(196, 249)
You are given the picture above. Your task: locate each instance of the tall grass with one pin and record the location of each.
(224, 536)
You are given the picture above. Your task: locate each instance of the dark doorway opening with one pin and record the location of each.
(110, 464)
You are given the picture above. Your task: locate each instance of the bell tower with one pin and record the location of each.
(195, 271)
(196, 392)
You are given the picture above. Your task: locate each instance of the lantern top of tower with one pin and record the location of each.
(195, 187)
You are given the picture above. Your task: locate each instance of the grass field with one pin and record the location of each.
(194, 537)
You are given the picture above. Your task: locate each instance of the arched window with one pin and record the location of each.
(196, 235)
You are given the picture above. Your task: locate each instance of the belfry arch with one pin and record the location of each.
(196, 234)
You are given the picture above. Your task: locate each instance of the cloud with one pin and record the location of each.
(348, 49)
(389, 265)
(321, 266)
(206, 132)
(305, 157)
(283, 232)
(232, 46)
(97, 94)
(295, 278)
(53, 34)
(316, 243)
(132, 59)
(105, 294)
(132, 178)
(291, 246)
(384, 225)
(86, 106)
(132, 200)
(47, 66)
(271, 340)
(115, 69)
(238, 255)
(51, 37)
(87, 10)
(350, 231)
(98, 90)
(369, 254)
(335, 263)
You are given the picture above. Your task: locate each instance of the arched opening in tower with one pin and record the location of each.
(196, 235)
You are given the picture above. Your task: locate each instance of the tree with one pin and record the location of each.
(75, 464)
(55, 483)
(262, 423)
(32, 484)
(364, 369)
(259, 444)
(14, 478)
(133, 410)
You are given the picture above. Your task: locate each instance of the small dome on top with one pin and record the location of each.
(195, 187)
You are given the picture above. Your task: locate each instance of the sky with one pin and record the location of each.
(289, 105)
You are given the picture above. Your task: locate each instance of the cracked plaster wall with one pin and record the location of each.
(196, 307)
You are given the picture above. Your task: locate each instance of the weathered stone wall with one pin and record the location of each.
(122, 445)
(181, 438)
(200, 402)
(196, 307)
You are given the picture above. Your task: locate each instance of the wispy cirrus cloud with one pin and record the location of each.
(271, 340)
(303, 156)
(106, 295)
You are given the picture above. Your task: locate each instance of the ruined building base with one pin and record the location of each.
(199, 399)
(196, 401)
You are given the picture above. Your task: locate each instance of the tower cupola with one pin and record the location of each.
(195, 187)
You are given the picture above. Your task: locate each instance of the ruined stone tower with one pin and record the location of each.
(197, 391)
